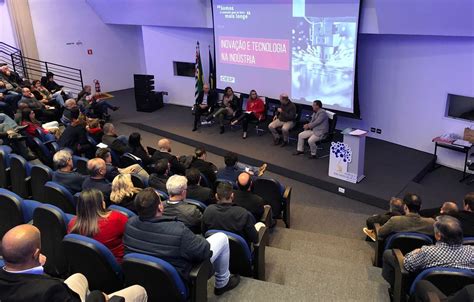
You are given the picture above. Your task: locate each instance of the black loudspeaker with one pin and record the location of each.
(146, 99)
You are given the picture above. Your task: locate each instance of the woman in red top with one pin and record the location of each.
(254, 111)
(94, 221)
(28, 118)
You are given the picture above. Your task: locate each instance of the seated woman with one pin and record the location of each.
(135, 147)
(42, 94)
(228, 107)
(123, 191)
(94, 129)
(32, 125)
(254, 111)
(95, 221)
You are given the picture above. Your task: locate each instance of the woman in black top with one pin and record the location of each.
(229, 106)
(135, 147)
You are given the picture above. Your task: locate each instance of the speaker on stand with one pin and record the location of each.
(146, 99)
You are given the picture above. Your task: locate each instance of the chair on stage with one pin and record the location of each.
(331, 133)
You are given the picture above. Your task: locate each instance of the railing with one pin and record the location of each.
(32, 69)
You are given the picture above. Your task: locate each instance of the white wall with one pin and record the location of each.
(162, 46)
(6, 30)
(403, 85)
(117, 49)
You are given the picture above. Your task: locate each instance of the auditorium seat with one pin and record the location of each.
(40, 175)
(163, 195)
(128, 159)
(5, 152)
(52, 223)
(161, 280)
(468, 241)
(95, 261)
(59, 196)
(244, 260)
(448, 280)
(11, 213)
(20, 171)
(277, 196)
(122, 210)
(404, 241)
(200, 205)
(80, 164)
(204, 181)
(138, 181)
(41, 150)
(2, 263)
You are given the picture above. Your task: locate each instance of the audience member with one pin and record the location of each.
(447, 252)
(410, 222)
(396, 209)
(230, 217)
(164, 151)
(314, 131)
(74, 136)
(160, 176)
(28, 119)
(12, 80)
(135, 147)
(111, 170)
(41, 93)
(284, 119)
(155, 234)
(205, 102)
(113, 141)
(233, 168)
(94, 129)
(229, 107)
(50, 84)
(69, 105)
(22, 277)
(8, 100)
(195, 190)
(95, 221)
(10, 135)
(123, 191)
(447, 208)
(425, 291)
(96, 179)
(199, 162)
(244, 197)
(45, 113)
(64, 175)
(176, 205)
(466, 217)
(254, 111)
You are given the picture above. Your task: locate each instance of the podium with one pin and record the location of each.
(346, 159)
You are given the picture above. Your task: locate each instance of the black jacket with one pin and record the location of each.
(168, 239)
(158, 182)
(111, 172)
(200, 193)
(115, 144)
(70, 180)
(142, 154)
(467, 222)
(251, 202)
(232, 218)
(211, 98)
(206, 168)
(38, 288)
(175, 166)
(102, 185)
(187, 213)
(75, 138)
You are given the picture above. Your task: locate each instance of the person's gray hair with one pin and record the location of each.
(108, 127)
(61, 158)
(176, 184)
(396, 205)
(450, 230)
(69, 102)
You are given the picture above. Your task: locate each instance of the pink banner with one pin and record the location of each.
(265, 53)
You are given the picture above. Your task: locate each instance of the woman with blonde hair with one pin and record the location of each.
(95, 221)
(123, 191)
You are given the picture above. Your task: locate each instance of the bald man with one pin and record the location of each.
(244, 197)
(22, 277)
(164, 151)
(97, 170)
(205, 102)
(396, 209)
(447, 208)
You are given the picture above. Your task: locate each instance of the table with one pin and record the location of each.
(450, 146)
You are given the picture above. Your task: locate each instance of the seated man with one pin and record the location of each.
(10, 134)
(64, 175)
(228, 216)
(22, 277)
(466, 217)
(195, 190)
(96, 179)
(8, 100)
(447, 208)
(12, 80)
(314, 131)
(67, 112)
(246, 199)
(205, 102)
(113, 141)
(447, 252)
(176, 206)
(396, 209)
(284, 119)
(164, 151)
(160, 176)
(410, 222)
(43, 111)
(158, 235)
(74, 136)
(112, 171)
(425, 291)
(233, 168)
(199, 162)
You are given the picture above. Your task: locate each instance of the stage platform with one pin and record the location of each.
(391, 170)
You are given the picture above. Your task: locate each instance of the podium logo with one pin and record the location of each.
(227, 79)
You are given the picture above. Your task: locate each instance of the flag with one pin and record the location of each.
(198, 73)
(212, 71)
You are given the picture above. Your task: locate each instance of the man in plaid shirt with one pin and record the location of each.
(447, 252)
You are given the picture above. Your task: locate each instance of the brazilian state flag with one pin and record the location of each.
(198, 73)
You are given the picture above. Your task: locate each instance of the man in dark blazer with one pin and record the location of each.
(164, 151)
(246, 199)
(195, 190)
(199, 162)
(64, 175)
(22, 277)
(205, 102)
(158, 179)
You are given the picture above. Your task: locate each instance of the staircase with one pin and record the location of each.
(32, 69)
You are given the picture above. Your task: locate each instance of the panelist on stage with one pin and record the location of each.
(314, 131)
(254, 111)
(228, 107)
(284, 119)
(204, 103)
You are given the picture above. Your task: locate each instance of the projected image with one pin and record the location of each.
(323, 52)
